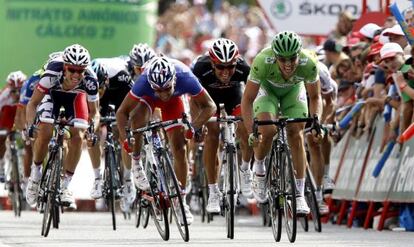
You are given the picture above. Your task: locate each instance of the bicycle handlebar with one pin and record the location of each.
(64, 122)
(226, 119)
(280, 122)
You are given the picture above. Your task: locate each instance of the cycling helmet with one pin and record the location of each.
(100, 71)
(223, 51)
(16, 79)
(141, 53)
(286, 44)
(57, 55)
(161, 73)
(76, 55)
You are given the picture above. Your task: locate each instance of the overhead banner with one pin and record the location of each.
(310, 17)
(31, 29)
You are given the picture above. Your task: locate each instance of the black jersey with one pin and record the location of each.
(228, 93)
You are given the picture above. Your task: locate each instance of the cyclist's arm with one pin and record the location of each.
(20, 118)
(315, 101)
(328, 108)
(122, 115)
(32, 105)
(204, 108)
(249, 95)
(94, 116)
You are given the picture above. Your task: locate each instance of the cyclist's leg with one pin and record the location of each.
(265, 108)
(176, 138)
(294, 105)
(7, 114)
(246, 153)
(40, 148)
(139, 117)
(212, 166)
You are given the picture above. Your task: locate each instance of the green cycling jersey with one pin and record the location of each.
(275, 91)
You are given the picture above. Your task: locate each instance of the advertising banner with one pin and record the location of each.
(347, 182)
(31, 29)
(310, 17)
(403, 186)
(377, 189)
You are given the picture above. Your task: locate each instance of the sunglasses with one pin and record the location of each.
(223, 67)
(79, 70)
(287, 59)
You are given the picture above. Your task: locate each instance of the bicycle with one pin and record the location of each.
(112, 186)
(199, 185)
(310, 189)
(230, 186)
(165, 193)
(14, 182)
(280, 179)
(49, 194)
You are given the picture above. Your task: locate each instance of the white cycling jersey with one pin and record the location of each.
(328, 85)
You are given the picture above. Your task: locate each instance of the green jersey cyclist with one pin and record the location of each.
(279, 79)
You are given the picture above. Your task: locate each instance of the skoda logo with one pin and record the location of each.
(281, 9)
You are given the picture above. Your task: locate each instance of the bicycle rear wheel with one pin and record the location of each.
(310, 195)
(288, 187)
(109, 183)
(176, 200)
(229, 207)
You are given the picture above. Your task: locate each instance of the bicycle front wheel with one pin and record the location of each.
(51, 208)
(275, 202)
(289, 189)
(230, 192)
(310, 195)
(176, 200)
(17, 195)
(109, 183)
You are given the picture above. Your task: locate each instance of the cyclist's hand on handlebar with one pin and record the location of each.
(316, 130)
(197, 134)
(128, 144)
(91, 137)
(254, 140)
(30, 132)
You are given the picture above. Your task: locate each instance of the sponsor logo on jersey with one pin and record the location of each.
(270, 60)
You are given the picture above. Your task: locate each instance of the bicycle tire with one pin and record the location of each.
(17, 191)
(230, 192)
(109, 181)
(312, 201)
(158, 209)
(176, 200)
(51, 193)
(275, 207)
(289, 189)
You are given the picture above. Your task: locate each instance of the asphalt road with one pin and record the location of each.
(95, 229)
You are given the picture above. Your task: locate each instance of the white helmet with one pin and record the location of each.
(161, 73)
(16, 79)
(223, 51)
(76, 55)
(141, 53)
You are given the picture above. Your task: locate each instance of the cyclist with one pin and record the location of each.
(119, 75)
(20, 120)
(319, 152)
(9, 98)
(161, 85)
(280, 77)
(223, 73)
(69, 84)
